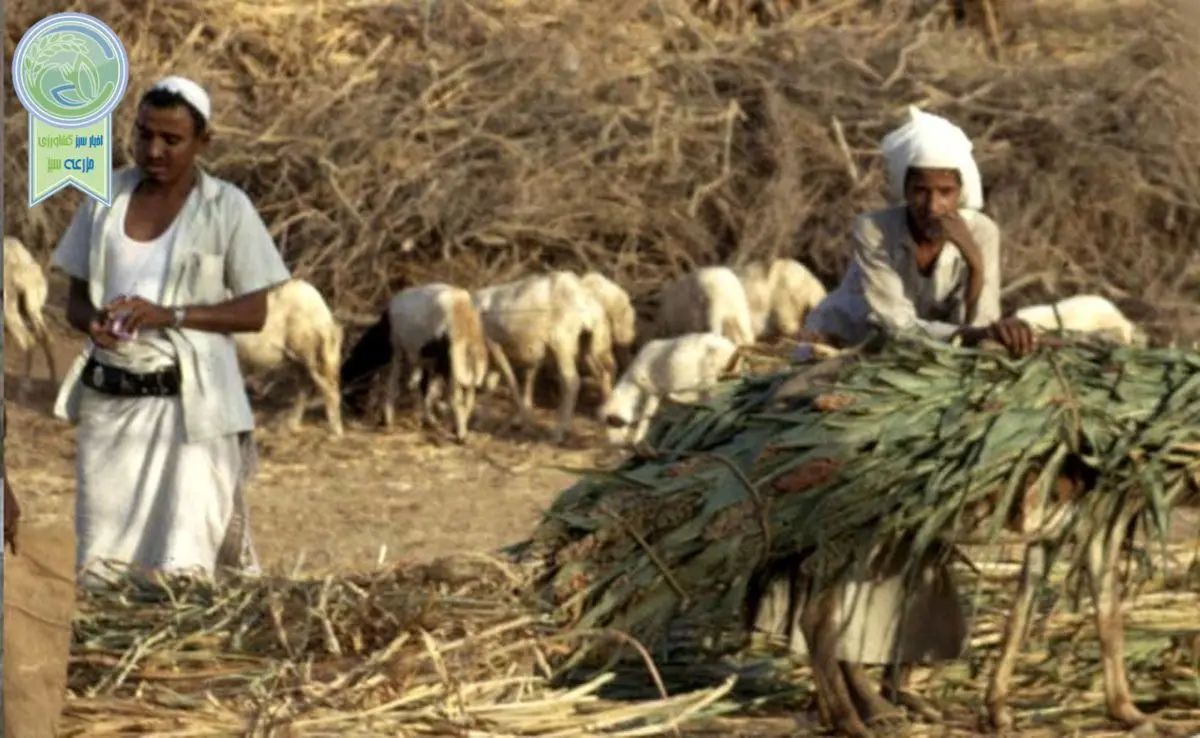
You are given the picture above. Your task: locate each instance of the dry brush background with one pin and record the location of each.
(393, 142)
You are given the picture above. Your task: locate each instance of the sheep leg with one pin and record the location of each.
(569, 377)
(43, 338)
(391, 389)
(460, 411)
(437, 385)
(327, 386)
(603, 373)
(418, 386)
(529, 377)
(1106, 596)
(468, 400)
(1033, 571)
(331, 398)
(303, 395)
(496, 354)
(27, 377)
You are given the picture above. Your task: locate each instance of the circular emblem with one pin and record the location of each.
(70, 70)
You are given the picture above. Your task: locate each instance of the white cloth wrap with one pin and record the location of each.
(188, 90)
(930, 141)
(148, 497)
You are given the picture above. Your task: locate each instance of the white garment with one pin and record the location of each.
(149, 498)
(222, 246)
(883, 288)
(137, 268)
(930, 141)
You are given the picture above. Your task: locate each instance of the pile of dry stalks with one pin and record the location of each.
(439, 650)
(452, 649)
(472, 140)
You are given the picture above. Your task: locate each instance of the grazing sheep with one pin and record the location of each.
(780, 294)
(1085, 314)
(302, 333)
(622, 321)
(25, 292)
(597, 352)
(437, 336)
(710, 300)
(544, 315)
(683, 369)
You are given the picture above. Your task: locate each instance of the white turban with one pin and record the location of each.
(930, 141)
(188, 90)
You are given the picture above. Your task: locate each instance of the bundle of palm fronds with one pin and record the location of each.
(898, 444)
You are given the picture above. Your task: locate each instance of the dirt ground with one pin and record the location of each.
(322, 503)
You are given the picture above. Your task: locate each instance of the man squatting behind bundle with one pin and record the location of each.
(902, 278)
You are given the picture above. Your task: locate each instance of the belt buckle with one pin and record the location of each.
(98, 375)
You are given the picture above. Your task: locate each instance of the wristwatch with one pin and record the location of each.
(180, 313)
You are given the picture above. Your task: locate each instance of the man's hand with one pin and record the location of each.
(138, 313)
(955, 230)
(1014, 335)
(100, 330)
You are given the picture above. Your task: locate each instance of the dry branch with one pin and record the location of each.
(400, 142)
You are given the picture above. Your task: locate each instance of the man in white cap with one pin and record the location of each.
(902, 278)
(158, 282)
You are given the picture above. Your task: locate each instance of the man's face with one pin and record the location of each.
(931, 195)
(165, 142)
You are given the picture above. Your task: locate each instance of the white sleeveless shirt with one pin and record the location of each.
(137, 268)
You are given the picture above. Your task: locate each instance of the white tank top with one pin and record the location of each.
(137, 268)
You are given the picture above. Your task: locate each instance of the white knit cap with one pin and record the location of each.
(188, 90)
(931, 141)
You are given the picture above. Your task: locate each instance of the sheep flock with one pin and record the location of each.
(447, 343)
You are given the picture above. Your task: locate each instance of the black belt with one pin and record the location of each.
(120, 383)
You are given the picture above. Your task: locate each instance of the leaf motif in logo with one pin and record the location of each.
(67, 94)
(87, 79)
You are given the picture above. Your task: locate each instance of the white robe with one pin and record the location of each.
(147, 497)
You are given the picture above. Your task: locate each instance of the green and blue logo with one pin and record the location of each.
(70, 72)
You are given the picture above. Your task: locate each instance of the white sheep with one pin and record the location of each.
(780, 294)
(25, 292)
(622, 320)
(710, 299)
(437, 336)
(1084, 314)
(300, 333)
(545, 315)
(683, 369)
